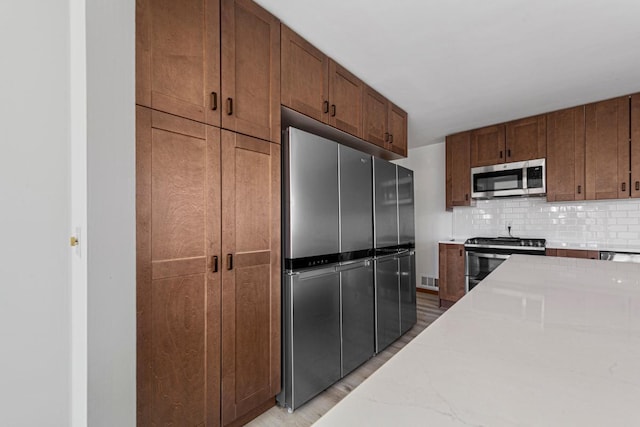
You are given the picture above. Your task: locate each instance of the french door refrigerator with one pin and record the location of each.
(328, 296)
(394, 263)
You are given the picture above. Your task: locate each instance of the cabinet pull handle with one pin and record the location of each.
(325, 107)
(460, 252)
(624, 186)
(214, 101)
(333, 110)
(637, 185)
(466, 197)
(509, 152)
(386, 137)
(579, 189)
(390, 138)
(229, 106)
(214, 263)
(229, 261)
(500, 153)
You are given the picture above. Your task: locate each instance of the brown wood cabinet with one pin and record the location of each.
(458, 184)
(487, 146)
(607, 149)
(385, 124)
(315, 85)
(251, 274)
(178, 58)
(565, 155)
(398, 124)
(178, 292)
(305, 76)
(515, 141)
(208, 272)
(346, 93)
(526, 139)
(573, 253)
(635, 145)
(250, 70)
(451, 266)
(186, 68)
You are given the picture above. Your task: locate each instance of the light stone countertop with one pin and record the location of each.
(543, 341)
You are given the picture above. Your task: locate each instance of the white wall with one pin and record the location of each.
(433, 222)
(111, 213)
(34, 214)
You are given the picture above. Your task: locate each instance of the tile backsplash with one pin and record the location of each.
(609, 222)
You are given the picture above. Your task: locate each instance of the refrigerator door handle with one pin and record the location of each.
(353, 266)
(317, 273)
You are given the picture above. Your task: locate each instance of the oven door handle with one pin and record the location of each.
(491, 256)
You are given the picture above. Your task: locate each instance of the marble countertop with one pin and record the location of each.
(542, 341)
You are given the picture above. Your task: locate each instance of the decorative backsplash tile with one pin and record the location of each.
(609, 222)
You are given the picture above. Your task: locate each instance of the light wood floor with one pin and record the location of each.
(428, 311)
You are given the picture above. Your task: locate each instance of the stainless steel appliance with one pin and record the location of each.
(485, 254)
(395, 257)
(526, 178)
(328, 288)
(620, 256)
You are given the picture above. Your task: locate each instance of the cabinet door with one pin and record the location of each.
(375, 118)
(635, 145)
(251, 274)
(346, 92)
(451, 265)
(178, 57)
(250, 70)
(607, 149)
(305, 76)
(178, 292)
(397, 130)
(487, 146)
(458, 186)
(526, 139)
(565, 155)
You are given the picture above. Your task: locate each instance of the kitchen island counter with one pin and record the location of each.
(542, 341)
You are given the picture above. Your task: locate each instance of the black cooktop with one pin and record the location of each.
(505, 241)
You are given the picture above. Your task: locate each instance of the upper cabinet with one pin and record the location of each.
(316, 86)
(458, 185)
(385, 124)
(182, 70)
(398, 138)
(345, 99)
(635, 145)
(487, 146)
(607, 149)
(250, 70)
(305, 76)
(526, 139)
(515, 141)
(178, 58)
(565, 155)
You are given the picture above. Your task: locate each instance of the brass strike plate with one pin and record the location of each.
(73, 241)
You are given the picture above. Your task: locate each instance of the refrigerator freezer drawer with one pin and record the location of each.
(312, 335)
(387, 302)
(358, 337)
(408, 313)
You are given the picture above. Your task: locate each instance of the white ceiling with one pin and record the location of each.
(455, 65)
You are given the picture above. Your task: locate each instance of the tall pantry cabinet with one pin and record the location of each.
(208, 211)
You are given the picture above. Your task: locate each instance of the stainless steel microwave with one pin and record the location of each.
(509, 179)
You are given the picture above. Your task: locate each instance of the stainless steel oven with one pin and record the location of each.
(484, 254)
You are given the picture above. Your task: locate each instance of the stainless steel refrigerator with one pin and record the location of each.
(394, 264)
(328, 294)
